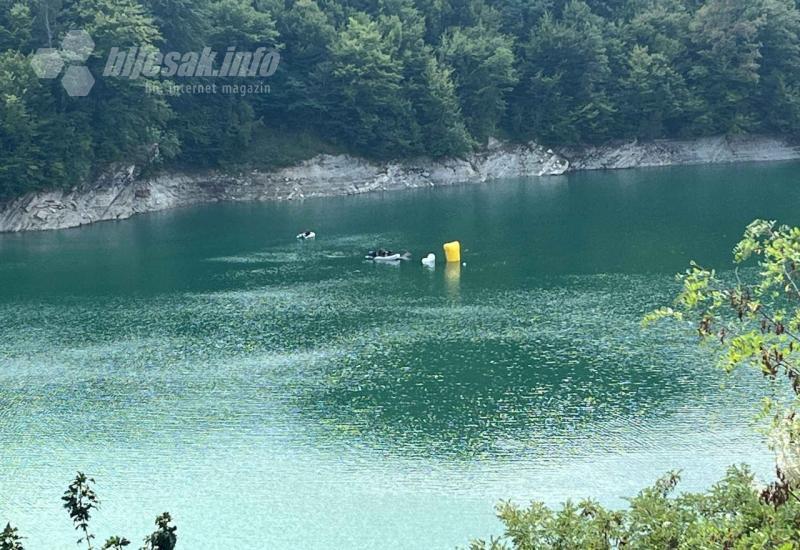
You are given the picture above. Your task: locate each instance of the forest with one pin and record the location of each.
(393, 79)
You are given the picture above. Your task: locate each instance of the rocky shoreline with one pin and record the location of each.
(122, 193)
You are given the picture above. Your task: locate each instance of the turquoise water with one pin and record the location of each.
(276, 394)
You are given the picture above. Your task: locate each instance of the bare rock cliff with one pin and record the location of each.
(121, 192)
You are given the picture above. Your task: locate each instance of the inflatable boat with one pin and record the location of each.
(382, 255)
(389, 258)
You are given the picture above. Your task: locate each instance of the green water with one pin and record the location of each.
(276, 394)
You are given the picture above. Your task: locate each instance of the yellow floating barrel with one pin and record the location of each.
(452, 251)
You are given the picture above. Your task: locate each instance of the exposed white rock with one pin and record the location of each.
(719, 149)
(121, 193)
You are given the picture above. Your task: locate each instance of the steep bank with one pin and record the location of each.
(122, 193)
(721, 149)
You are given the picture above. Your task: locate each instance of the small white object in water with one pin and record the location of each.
(307, 235)
(429, 260)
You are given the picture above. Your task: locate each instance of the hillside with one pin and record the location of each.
(392, 79)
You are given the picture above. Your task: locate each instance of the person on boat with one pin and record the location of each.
(380, 253)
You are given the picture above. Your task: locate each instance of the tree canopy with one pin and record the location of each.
(393, 78)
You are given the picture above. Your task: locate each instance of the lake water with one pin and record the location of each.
(277, 394)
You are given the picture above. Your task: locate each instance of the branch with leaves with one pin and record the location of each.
(10, 539)
(80, 500)
(164, 537)
(756, 323)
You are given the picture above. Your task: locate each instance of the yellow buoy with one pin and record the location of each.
(452, 251)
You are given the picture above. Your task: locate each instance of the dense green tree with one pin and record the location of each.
(483, 63)
(662, 26)
(308, 34)
(519, 16)
(365, 102)
(724, 35)
(184, 24)
(428, 85)
(16, 23)
(48, 20)
(443, 129)
(121, 115)
(238, 23)
(561, 96)
(392, 78)
(653, 94)
(777, 100)
(222, 125)
(441, 15)
(20, 155)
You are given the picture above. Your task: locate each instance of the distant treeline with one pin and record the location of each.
(394, 78)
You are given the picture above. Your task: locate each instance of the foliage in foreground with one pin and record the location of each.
(732, 514)
(746, 322)
(756, 324)
(80, 500)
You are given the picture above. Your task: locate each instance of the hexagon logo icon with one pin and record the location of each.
(77, 46)
(47, 63)
(77, 81)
